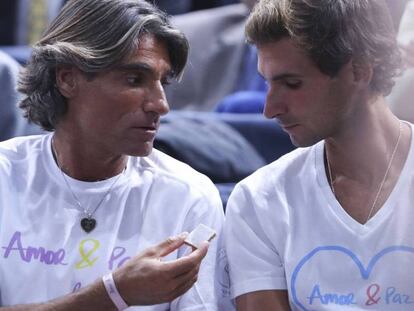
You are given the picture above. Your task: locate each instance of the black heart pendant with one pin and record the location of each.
(88, 224)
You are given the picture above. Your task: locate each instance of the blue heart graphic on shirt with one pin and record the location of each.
(365, 272)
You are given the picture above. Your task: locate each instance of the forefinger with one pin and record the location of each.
(187, 263)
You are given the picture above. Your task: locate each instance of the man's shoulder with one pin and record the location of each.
(20, 145)
(271, 186)
(280, 172)
(176, 172)
(18, 152)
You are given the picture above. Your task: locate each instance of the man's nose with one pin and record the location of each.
(157, 102)
(275, 105)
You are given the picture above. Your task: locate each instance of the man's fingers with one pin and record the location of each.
(187, 263)
(202, 250)
(169, 245)
(187, 276)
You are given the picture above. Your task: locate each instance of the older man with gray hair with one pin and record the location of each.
(82, 207)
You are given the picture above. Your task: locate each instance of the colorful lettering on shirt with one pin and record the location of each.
(373, 294)
(116, 260)
(77, 287)
(31, 253)
(224, 278)
(87, 248)
(376, 295)
(390, 296)
(116, 254)
(331, 298)
(86, 253)
(393, 296)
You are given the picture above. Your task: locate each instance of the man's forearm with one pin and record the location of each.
(91, 298)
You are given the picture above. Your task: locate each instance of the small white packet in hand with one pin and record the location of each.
(200, 234)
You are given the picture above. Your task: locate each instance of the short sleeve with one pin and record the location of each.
(206, 293)
(254, 261)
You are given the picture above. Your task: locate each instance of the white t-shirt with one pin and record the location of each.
(44, 253)
(286, 231)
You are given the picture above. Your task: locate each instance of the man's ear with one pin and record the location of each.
(67, 80)
(362, 72)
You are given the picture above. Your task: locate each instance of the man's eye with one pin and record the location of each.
(293, 84)
(134, 80)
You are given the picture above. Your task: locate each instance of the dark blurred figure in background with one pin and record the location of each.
(174, 7)
(12, 122)
(7, 21)
(185, 6)
(23, 21)
(220, 62)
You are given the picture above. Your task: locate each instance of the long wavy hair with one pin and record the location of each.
(94, 36)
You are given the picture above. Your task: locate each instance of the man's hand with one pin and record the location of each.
(146, 279)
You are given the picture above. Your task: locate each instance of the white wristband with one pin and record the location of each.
(113, 293)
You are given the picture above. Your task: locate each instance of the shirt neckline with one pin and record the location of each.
(79, 185)
(335, 207)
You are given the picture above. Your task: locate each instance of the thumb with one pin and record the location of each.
(170, 245)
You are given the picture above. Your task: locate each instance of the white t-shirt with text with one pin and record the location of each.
(285, 230)
(44, 253)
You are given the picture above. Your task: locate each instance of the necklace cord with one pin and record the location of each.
(383, 179)
(84, 210)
